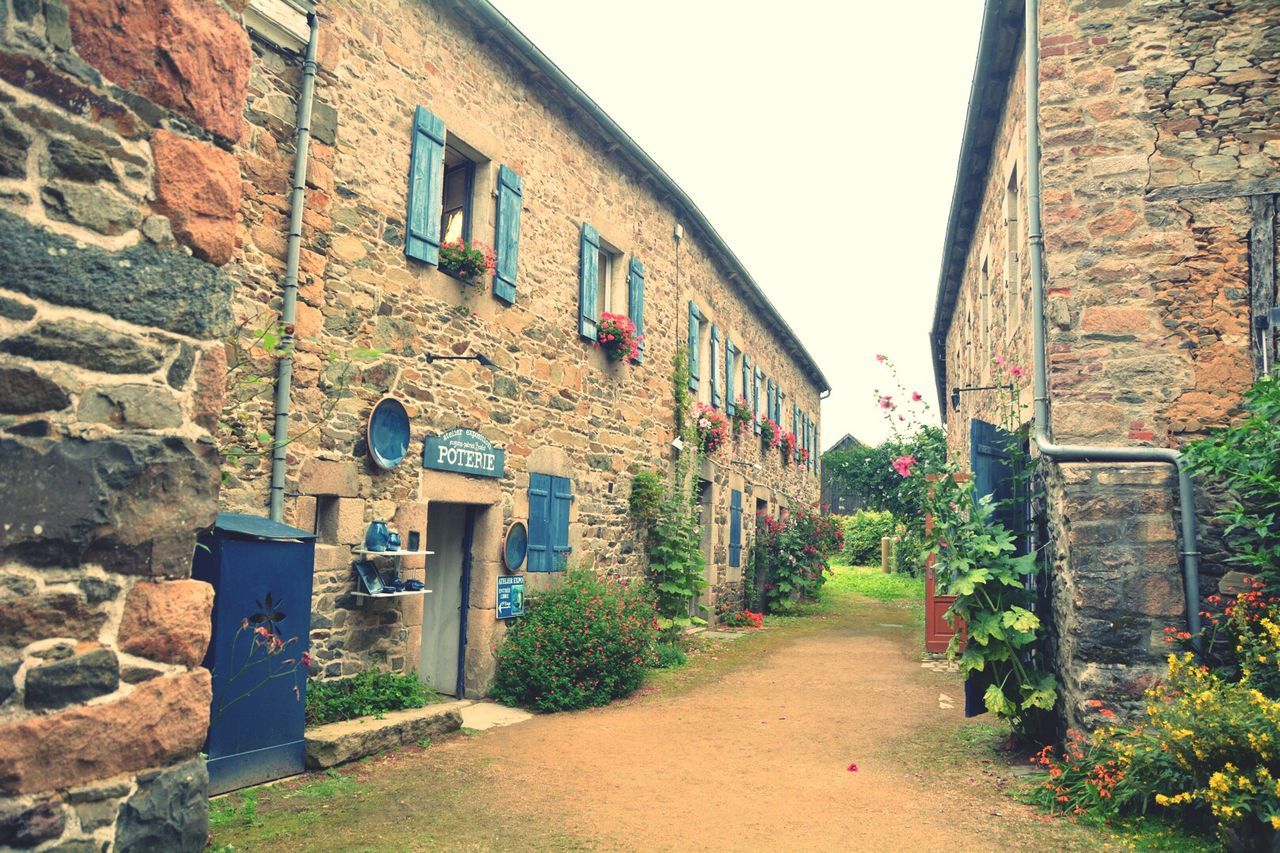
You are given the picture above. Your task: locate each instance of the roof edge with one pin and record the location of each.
(526, 49)
(991, 67)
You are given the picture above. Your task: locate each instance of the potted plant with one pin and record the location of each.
(713, 428)
(741, 417)
(467, 262)
(769, 432)
(802, 459)
(787, 441)
(616, 335)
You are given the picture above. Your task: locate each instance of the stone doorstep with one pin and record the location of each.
(338, 743)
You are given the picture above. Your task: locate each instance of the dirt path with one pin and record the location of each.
(747, 750)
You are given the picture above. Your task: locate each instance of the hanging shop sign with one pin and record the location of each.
(464, 451)
(510, 596)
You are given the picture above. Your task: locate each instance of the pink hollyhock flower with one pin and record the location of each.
(1017, 372)
(1000, 360)
(903, 465)
(880, 357)
(886, 402)
(915, 397)
(853, 768)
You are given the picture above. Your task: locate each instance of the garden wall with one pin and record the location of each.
(118, 204)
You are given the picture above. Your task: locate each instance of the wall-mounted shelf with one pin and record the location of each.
(362, 552)
(391, 594)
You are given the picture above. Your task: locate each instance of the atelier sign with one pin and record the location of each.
(464, 451)
(510, 596)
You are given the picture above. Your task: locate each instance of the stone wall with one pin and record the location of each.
(1147, 296)
(553, 401)
(118, 196)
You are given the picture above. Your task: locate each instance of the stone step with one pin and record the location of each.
(338, 743)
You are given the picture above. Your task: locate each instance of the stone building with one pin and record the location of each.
(434, 120)
(837, 497)
(118, 195)
(1160, 130)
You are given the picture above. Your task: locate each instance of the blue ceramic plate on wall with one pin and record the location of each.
(515, 546)
(388, 433)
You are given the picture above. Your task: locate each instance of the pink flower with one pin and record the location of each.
(1017, 372)
(1000, 361)
(853, 768)
(886, 402)
(306, 659)
(880, 357)
(915, 397)
(903, 465)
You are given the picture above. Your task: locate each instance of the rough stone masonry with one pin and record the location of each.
(118, 202)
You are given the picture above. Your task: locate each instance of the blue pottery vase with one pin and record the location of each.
(393, 541)
(375, 539)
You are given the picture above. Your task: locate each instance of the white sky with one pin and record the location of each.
(819, 137)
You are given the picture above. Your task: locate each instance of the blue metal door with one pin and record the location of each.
(261, 573)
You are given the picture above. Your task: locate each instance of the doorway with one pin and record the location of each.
(450, 528)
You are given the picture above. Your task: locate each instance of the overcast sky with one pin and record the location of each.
(820, 139)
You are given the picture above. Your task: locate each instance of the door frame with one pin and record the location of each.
(468, 538)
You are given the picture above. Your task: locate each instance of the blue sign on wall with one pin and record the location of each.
(464, 451)
(510, 596)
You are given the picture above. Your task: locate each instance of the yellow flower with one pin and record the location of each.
(1275, 821)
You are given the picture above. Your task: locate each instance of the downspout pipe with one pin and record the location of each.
(289, 310)
(1043, 432)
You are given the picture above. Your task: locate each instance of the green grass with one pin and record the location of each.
(869, 581)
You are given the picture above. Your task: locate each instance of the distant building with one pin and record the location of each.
(836, 496)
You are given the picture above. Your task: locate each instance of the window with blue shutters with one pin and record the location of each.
(695, 333)
(507, 234)
(735, 529)
(635, 301)
(426, 185)
(550, 499)
(589, 282)
(715, 365)
(730, 375)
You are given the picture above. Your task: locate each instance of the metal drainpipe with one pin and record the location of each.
(1043, 439)
(288, 312)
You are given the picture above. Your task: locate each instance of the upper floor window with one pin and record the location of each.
(459, 184)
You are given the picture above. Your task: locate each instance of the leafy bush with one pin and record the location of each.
(647, 494)
(1243, 458)
(908, 552)
(793, 551)
(741, 619)
(862, 534)
(371, 692)
(668, 656)
(583, 643)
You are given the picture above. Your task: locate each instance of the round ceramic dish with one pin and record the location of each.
(388, 433)
(515, 545)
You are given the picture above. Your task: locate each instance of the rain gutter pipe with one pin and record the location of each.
(1043, 438)
(288, 312)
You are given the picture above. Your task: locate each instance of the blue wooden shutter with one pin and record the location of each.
(746, 379)
(635, 300)
(507, 234)
(730, 368)
(990, 449)
(588, 282)
(735, 528)
(561, 498)
(755, 399)
(539, 523)
(426, 183)
(715, 365)
(695, 321)
(795, 428)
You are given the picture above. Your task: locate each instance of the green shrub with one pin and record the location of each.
(862, 534)
(371, 692)
(793, 552)
(583, 643)
(908, 553)
(647, 494)
(668, 656)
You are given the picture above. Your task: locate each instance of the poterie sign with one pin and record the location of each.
(464, 451)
